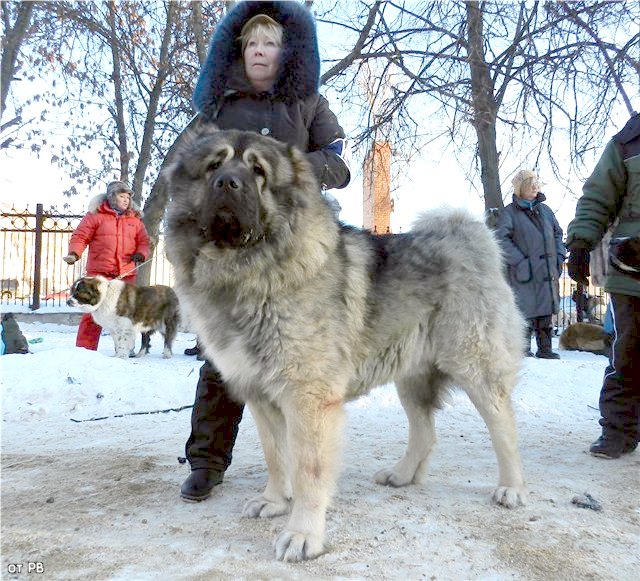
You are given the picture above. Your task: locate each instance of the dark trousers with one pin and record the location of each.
(215, 419)
(620, 394)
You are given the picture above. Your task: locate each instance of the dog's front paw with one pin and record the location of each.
(295, 546)
(261, 507)
(388, 477)
(510, 496)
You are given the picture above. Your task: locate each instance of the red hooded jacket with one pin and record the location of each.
(112, 239)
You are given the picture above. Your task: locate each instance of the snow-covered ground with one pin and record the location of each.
(99, 499)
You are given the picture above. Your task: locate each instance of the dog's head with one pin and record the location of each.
(234, 189)
(87, 293)
(624, 254)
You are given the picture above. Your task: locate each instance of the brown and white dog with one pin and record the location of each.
(124, 309)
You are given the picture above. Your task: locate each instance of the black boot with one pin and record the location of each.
(195, 350)
(543, 339)
(612, 445)
(200, 483)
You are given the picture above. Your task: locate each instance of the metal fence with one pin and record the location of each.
(32, 271)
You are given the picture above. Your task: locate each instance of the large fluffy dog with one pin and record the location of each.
(301, 314)
(124, 309)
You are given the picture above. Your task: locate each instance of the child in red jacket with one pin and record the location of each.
(118, 242)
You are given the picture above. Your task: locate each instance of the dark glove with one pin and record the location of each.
(71, 258)
(578, 265)
(137, 258)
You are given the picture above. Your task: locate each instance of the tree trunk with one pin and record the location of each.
(118, 114)
(157, 202)
(484, 108)
(154, 99)
(10, 47)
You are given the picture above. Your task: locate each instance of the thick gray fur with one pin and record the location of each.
(301, 314)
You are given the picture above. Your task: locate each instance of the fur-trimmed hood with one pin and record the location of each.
(299, 63)
(97, 201)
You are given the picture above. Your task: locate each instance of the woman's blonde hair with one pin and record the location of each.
(261, 23)
(522, 181)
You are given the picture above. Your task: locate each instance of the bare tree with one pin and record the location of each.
(517, 75)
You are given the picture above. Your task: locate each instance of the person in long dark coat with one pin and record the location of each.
(531, 239)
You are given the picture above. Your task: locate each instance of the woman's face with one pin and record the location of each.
(261, 60)
(123, 200)
(530, 191)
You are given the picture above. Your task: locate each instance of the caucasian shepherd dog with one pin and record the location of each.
(125, 309)
(301, 314)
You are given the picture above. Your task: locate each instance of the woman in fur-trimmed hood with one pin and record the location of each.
(291, 109)
(261, 75)
(117, 241)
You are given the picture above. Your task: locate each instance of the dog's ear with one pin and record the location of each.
(185, 141)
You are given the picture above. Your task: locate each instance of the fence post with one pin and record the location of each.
(37, 262)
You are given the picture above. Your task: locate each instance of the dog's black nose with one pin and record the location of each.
(227, 182)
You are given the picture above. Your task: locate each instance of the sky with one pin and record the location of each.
(99, 499)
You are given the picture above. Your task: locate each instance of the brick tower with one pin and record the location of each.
(377, 206)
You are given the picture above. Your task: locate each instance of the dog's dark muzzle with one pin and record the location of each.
(231, 217)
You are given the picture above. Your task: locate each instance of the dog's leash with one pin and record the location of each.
(130, 272)
(120, 277)
(97, 419)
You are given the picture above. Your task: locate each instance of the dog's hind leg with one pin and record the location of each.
(170, 331)
(497, 413)
(418, 398)
(276, 496)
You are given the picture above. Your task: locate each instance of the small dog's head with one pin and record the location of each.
(87, 293)
(624, 254)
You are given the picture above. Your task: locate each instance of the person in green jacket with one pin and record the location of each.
(611, 198)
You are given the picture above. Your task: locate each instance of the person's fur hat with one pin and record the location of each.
(115, 188)
(520, 178)
(299, 60)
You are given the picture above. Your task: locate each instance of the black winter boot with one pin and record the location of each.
(200, 483)
(195, 350)
(543, 339)
(612, 445)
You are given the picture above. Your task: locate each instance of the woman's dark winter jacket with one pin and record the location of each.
(531, 240)
(293, 112)
(612, 191)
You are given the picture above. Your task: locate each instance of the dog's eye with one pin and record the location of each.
(259, 170)
(214, 165)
